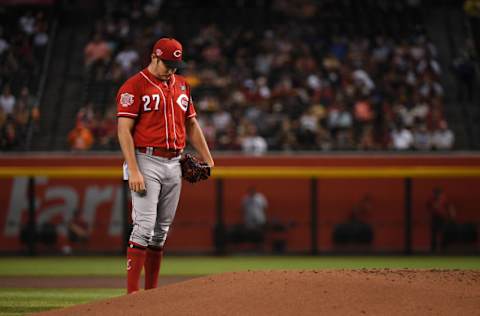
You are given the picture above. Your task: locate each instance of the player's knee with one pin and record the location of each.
(159, 238)
(158, 241)
(141, 235)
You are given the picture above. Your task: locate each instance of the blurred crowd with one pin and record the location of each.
(301, 80)
(94, 130)
(23, 41)
(308, 83)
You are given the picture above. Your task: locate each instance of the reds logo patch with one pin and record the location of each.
(182, 101)
(126, 99)
(177, 53)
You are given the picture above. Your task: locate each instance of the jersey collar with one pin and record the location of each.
(157, 81)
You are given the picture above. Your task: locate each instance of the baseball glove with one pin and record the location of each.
(193, 170)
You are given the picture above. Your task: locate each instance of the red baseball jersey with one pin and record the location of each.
(159, 108)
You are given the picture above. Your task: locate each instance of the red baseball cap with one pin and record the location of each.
(170, 51)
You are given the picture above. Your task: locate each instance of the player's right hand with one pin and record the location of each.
(136, 182)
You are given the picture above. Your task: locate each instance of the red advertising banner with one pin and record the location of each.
(100, 203)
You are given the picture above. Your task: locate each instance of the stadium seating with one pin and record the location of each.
(299, 76)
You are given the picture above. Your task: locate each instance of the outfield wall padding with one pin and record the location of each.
(100, 201)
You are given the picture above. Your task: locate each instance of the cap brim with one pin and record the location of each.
(179, 64)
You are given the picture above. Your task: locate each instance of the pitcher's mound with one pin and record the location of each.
(312, 292)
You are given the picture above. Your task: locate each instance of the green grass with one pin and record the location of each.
(24, 301)
(115, 266)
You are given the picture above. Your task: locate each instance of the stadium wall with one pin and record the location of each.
(100, 201)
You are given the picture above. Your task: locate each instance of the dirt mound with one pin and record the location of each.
(306, 292)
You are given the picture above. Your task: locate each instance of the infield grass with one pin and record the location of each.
(15, 302)
(172, 265)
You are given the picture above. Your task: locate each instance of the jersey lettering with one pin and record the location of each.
(146, 102)
(156, 98)
(147, 99)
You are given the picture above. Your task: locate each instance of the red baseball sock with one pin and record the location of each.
(135, 260)
(152, 267)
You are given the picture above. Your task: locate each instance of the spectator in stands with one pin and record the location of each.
(443, 138)
(40, 41)
(367, 139)
(420, 109)
(80, 138)
(9, 138)
(127, 58)
(7, 100)
(310, 127)
(422, 138)
(442, 214)
(21, 115)
(404, 114)
(339, 118)
(4, 44)
(27, 23)
(345, 139)
(209, 132)
(430, 87)
(221, 120)
(323, 140)
(97, 50)
(253, 143)
(105, 133)
(363, 110)
(86, 114)
(27, 99)
(402, 138)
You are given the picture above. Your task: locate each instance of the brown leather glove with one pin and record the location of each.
(193, 170)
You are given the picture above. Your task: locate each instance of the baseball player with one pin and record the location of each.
(155, 115)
